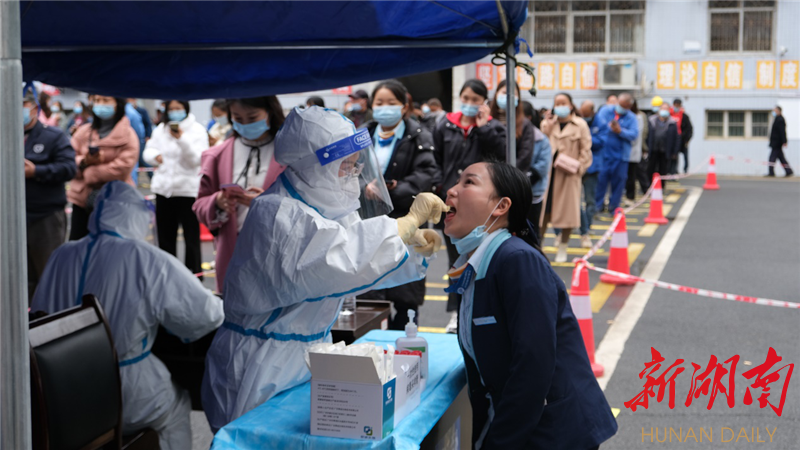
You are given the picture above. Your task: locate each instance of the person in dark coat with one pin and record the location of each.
(685, 131)
(524, 127)
(49, 163)
(464, 138)
(777, 140)
(663, 143)
(405, 153)
(529, 379)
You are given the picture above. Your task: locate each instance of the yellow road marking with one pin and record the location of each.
(564, 264)
(432, 330)
(665, 210)
(611, 219)
(615, 411)
(572, 251)
(600, 293)
(605, 227)
(573, 236)
(648, 230)
(436, 285)
(436, 298)
(672, 198)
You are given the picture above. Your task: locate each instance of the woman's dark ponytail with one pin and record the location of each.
(510, 182)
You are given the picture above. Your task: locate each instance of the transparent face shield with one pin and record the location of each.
(344, 178)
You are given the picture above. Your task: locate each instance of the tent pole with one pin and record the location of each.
(15, 407)
(511, 111)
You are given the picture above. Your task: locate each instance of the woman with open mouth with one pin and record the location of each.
(530, 382)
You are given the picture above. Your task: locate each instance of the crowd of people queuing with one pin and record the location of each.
(577, 162)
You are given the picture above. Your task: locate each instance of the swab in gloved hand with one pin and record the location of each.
(426, 207)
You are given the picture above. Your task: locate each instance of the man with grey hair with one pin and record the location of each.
(617, 129)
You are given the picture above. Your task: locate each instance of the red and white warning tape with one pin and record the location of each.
(700, 168)
(701, 292)
(749, 160)
(202, 274)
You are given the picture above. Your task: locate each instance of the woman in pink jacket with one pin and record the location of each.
(237, 171)
(105, 150)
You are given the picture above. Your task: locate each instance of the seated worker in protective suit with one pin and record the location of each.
(139, 286)
(304, 247)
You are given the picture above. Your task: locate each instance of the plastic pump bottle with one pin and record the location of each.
(414, 343)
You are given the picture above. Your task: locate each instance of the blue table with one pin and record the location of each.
(285, 420)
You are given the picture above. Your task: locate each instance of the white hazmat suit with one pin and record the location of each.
(302, 249)
(139, 287)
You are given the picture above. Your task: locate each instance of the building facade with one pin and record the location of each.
(730, 62)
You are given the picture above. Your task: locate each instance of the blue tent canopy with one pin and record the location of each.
(229, 49)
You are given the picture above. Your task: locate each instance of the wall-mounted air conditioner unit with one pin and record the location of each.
(618, 75)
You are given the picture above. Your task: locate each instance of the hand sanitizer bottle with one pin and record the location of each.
(414, 343)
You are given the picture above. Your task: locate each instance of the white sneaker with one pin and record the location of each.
(561, 255)
(586, 241)
(452, 326)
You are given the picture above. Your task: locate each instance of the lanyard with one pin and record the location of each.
(246, 169)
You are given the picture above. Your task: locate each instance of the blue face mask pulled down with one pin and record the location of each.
(469, 110)
(251, 131)
(176, 115)
(502, 101)
(387, 116)
(104, 112)
(472, 240)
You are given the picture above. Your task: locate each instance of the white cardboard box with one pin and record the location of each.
(348, 399)
(408, 386)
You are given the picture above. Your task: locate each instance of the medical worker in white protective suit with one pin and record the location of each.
(139, 286)
(307, 243)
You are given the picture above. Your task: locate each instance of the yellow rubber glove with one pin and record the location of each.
(426, 242)
(426, 206)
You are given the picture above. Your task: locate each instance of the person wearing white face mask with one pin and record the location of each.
(571, 144)
(222, 126)
(245, 159)
(307, 243)
(404, 150)
(358, 110)
(174, 149)
(524, 129)
(465, 137)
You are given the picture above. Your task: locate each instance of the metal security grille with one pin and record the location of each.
(741, 26)
(587, 26)
(738, 125)
(715, 124)
(589, 35)
(760, 124)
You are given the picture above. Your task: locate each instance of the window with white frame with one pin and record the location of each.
(585, 26)
(737, 124)
(741, 26)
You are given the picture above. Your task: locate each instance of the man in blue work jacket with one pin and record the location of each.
(616, 128)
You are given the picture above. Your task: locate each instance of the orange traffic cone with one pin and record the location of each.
(582, 308)
(618, 255)
(656, 203)
(711, 178)
(205, 235)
